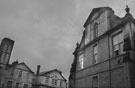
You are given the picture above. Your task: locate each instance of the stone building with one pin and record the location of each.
(5, 53)
(15, 75)
(105, 57)
(50, 79)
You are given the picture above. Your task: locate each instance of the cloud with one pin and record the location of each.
(45, 31)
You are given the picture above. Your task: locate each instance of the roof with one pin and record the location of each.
(47, 72)
(94, 10)
(22, 63)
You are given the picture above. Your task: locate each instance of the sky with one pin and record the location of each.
(46, 31)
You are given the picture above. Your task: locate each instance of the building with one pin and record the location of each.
(19, 75)
(15, 75)
(5, 53)
(105, 57)
(50, 79)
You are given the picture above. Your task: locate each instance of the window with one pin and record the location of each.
(11, 72)
(33, 80)
(95, 82)
(3, 57)
(61, 82)
(9, 49)
(27, 76)
(81, 61)
(54, 80)
(5, 47)
(91, 35)
(17, 85)
(47, 79)
(25, 86)
(95, 30)
(95, 52)
(118, 44)
(20, 74)
(9, 84)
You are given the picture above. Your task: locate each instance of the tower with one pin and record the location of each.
(6, 50)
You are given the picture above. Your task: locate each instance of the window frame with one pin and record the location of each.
(20, 74)
(95, 80)
(9, 86)
(47, 80)
(12, 71)
(95, 60)
(54, 80)
(120, 51)
(17, 85)
(81, 61)
(25, 86)
(95, 30)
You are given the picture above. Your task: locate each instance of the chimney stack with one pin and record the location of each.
(38, 69)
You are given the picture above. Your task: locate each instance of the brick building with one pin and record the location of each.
(105, 57)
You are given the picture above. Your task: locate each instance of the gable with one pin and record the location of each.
(95, 13)
(99, 16)
(54, 73)
(23, 66)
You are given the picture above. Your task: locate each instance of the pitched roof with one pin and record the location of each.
(22, 63)
(47, 72)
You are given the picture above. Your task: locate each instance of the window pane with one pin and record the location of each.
(95, 49)
(91, 35)
(9, 84)
(25, 86)
(17, 85)
(95, 58)
(9, 49)
(81, 61)
(2, 57)
(121, 47)
(20, 74)
(118, 44)
(5, 47)
(11, 72)
(95, 82)
(116, 47)
(120, 37)
(115, 40)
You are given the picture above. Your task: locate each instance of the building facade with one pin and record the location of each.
(19, 75)
(5, 53)
(105, 57)
(15, 75)
(50, 79)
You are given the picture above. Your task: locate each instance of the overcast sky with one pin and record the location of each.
(46, 31)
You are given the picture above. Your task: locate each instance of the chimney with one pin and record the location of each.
(38, 69)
